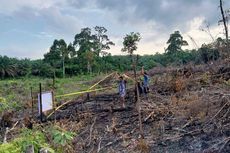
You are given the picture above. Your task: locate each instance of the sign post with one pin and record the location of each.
(32, 101)
(45, 102)
(40, 102)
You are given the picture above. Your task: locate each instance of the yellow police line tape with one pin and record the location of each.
(86, 91)
(76, 93)
(128, 77)
(101, 80)
(70, 94)
(81, 92)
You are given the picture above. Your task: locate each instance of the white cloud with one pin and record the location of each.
(44, 35)
(154, 19)
(200, 37)
(10, 6)
(59, 22)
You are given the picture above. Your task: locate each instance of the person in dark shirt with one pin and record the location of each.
(146, 80)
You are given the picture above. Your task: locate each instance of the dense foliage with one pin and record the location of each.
(88, 54)
(26, 138)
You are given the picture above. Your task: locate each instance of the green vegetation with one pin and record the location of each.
(15, 93)
(26, 138)
(175, 43)
(61, 139)
(88, 55)
(75, 64)
(53, 139)
(75, 67)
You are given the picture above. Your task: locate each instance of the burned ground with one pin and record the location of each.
(186, 112)
(181, 114)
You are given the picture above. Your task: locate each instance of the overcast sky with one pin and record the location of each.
(28, 27)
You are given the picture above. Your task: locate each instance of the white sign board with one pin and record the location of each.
(47, 101)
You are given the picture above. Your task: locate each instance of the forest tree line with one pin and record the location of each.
(88, 53)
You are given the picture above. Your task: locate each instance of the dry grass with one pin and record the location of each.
(142, 146)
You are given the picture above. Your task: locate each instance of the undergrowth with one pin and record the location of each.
(16, 93)
(54, 139)
(26, 138)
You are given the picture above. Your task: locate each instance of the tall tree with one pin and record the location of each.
(64, 54)
(129, 46)
(104, 55)
(89, 56)
(102, 40)
(84, 41)
(71, 50)
(53, 56)
(175, 43)
(224, 20)
(85, 44)
(59, 51)
(130, 43)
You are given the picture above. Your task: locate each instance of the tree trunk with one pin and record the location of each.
(63, 64)
(225, 25)
(138, 98)
(89, 67)
(105, 66)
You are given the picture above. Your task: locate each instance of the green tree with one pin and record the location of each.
(102, 41)
(62, 47)
(8, 68)
(175, 43)
(71, 50)
(130, 45)
(130, 42)
(53, 56)
(84, 41)
(59, 51)
(23, 67)
(85, 44)
(208, 53)
(41, 68)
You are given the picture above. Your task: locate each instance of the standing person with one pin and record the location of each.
(146, 80)
(122, 90)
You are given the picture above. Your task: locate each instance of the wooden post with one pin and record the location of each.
(138, 99)
(40, 97)
(53, 99)
(53, 80)
(88, 98)
(54, 106)
(32, 101)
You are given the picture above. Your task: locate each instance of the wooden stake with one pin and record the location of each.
(40, 97)
(54, 106)
(138, 99)
(53, 80)
(32, 101)
(88, 96)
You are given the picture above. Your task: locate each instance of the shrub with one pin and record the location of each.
(26, 138)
